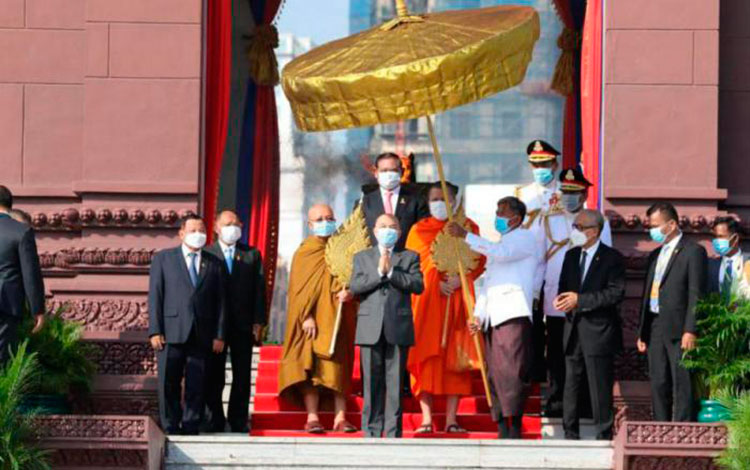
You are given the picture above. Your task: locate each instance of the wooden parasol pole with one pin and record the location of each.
(468, 301)
(336, 327)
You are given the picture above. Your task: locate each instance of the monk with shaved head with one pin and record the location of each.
(307, 372)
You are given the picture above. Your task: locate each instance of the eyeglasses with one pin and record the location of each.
(583, 227)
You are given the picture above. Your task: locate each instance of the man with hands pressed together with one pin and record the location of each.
(384, 278)
(186, 324)
(675, 281)
(504, 308)
(592, 286)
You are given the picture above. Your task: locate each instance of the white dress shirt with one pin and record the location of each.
(507, 290)
(227, 250)
(737, 265)
(188, 260)
(590, 252)
(394, 197)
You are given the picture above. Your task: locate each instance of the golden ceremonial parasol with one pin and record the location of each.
(409, 67)
(350, 238)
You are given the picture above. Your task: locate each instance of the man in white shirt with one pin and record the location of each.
(503, 309)
(728, 274)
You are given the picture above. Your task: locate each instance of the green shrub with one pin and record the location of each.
(17, 438)
(737, 454)
(64, 358)
(721, 358)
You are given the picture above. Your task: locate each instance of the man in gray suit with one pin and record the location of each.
(384, 278)
(20, 276)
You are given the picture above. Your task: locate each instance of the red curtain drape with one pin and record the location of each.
(263, 230)
(570, 116)
(591, 99)
(218, 86)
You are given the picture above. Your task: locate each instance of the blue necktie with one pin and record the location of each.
(228, 259)
(193, 272)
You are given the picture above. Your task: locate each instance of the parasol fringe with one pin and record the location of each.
(264, 69)
(569, 43)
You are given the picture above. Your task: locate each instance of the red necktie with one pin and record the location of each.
(387, 202)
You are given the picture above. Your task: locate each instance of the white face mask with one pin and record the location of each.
(578, 238)
(389, 180)
(230, 234)
(439, 210)
(196, 240)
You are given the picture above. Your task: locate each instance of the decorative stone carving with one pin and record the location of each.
(676, 433)
(701, 223)
(116, 358)
(69, 426)
(631, 365)
(643, 462)
(73, 258)
(105, 314)
(75, 219)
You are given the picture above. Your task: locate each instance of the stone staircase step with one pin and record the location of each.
(220, 452)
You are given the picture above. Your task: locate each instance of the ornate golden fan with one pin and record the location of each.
(447, 250)
(351, 238)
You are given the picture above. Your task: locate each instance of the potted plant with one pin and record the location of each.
(721, 358)
(64, 360)
(17, 438)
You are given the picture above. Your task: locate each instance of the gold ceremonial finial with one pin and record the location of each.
(401, 8)
(569, 175)
(403, 17)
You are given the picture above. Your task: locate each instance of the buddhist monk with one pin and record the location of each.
(307, 370)
(436, 370)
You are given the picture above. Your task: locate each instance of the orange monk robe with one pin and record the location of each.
(312, 291)
(434, 369)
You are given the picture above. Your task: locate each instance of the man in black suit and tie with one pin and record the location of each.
(186, 323)
(246, 316)
(675, 281)
(592, 286)
(20, 276)
(393, 198)
(384, 278)
(728, 274)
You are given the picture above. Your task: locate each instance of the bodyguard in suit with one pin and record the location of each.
(20, 276)
(246, 316)
(186, 324)
(384, 278)
(393, 198)
(675, 281)
(592, 286)
(728, 274)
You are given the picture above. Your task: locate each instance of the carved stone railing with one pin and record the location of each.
(77, 218)
(655, 446)
(100, 442)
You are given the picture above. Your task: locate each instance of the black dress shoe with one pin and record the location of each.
(189, 432)
(241, 430)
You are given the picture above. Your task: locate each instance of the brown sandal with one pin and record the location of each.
(345, 427)
(314, 427)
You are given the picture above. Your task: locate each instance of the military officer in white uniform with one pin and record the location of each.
(542, 200)
(557, 241)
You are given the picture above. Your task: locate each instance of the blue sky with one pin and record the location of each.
(322, 20)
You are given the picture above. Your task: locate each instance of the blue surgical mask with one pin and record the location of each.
(657, 235)
(502, 225)
(721, 246)
(387, 237)
(324, 228)
(543, 176)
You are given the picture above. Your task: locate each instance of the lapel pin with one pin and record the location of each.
(403, 201)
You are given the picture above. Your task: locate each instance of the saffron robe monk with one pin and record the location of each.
(436, 370)
(307, 370)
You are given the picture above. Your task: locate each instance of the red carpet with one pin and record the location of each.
(273, 416)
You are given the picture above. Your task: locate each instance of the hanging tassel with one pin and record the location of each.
(569, 43)
(264, 69)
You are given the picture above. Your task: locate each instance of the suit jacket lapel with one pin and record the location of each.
(593, 266)
(376, 202)
(672, 259)
(401, 201)
(182, 265)
(203, 270)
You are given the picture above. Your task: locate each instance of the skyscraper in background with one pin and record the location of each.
(482, 143)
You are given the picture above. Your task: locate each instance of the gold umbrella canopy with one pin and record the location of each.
(411, 66)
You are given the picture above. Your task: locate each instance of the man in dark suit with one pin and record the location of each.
(246, 315)
(675, 281)
(186, 323)
(592, 286)
(20, 276)
(728, 274)
(384, 278)
(392, 198)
